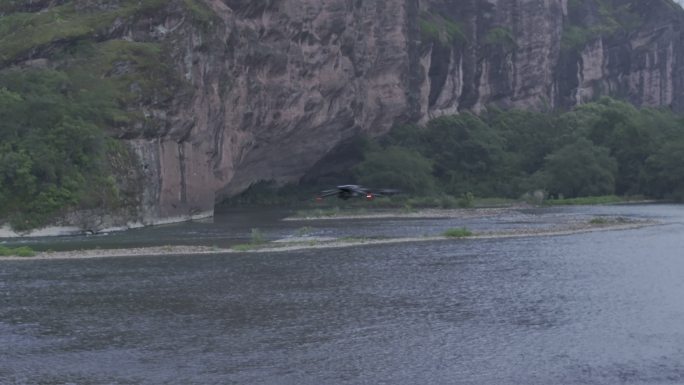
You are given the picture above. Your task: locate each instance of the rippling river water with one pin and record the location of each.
(591, 308)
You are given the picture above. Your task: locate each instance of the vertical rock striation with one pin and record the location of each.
(273, 87)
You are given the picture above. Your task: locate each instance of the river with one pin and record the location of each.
(591, 308)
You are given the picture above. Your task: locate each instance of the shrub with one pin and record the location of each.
(257, 238)
(581, 169)
(459, 232)
(23, 251)
(465, 151)
(467, 200)
(243, 247)
(396, 167)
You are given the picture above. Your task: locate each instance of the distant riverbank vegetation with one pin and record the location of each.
(604, 148)
(602, 152)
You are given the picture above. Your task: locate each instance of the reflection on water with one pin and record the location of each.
(595, 308)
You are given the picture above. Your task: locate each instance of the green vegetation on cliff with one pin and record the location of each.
(438, 29)
(56, 149)
(590, 19)
(22, 33)
(69, 85)
(53, 151)
(500, 36)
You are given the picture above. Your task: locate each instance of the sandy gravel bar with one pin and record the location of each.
(304, 243)
(421, 213)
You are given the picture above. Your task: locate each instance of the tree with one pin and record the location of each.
(663, 174)
(527, 136)
(404, 135)
(396, 167)
(580, 169)
(628, 132)
(466, 151)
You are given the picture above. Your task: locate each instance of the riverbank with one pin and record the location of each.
(311, 242)
(63, 231)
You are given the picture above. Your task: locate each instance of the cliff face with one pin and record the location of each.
(508, 58)
(556, 54)
(268, 88)
(644, 67)
(273, 86)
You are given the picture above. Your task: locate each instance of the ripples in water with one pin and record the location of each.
(595, 308)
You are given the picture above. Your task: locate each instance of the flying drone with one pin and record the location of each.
(355, 191)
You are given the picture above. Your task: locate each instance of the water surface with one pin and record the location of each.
(593, 308)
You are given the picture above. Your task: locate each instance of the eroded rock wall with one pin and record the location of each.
(275, 86)
(508, 57)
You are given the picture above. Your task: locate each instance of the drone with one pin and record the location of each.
(347, 191)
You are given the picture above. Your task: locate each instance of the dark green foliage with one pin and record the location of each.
(580, 169)
(632, 135)
(52, 151)
(466, 151)
(663, 174)
(404, 135)
(397, 167)
(600, 148)
(460, 232)
(23, 251)
(57, 122)
(527, 136)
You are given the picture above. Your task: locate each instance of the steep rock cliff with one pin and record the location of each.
(273, 87)
(265, 89)
(556, 54)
